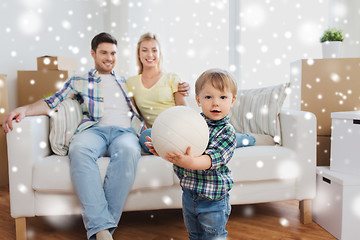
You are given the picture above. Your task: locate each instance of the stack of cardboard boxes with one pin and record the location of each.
(336, 206)
(4, 179)
(323, 86)
(49, 78)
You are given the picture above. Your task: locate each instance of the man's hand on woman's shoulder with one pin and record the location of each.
(184, 88)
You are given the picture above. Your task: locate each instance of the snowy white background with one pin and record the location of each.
(255, 39)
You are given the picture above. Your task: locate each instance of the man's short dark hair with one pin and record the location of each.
(100, 38)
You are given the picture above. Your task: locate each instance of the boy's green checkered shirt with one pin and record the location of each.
(215, 182)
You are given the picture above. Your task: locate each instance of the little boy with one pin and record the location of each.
(206, 180)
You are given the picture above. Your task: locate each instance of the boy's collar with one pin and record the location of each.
(209, 121)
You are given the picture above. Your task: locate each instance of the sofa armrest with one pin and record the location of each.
(298, 132)
(28, 142)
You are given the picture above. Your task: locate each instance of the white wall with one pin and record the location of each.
(345, 15)
(29, 29)
(194, 34)
(275, 33)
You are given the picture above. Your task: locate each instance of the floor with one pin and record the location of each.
(278, 220)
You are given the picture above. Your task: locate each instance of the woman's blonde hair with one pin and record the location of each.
(218, 78)
(146, 37)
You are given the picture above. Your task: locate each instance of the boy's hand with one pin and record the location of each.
(150, 145)
(182, 160)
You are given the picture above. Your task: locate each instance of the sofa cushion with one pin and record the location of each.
(262, 139)
(64, 121)
(257, 110)
(52, 174)
(263, 163)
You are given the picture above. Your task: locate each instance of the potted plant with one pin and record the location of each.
(331, 42)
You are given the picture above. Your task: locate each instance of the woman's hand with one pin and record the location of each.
(150, 145)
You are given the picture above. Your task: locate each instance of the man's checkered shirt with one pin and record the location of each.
(89, 91)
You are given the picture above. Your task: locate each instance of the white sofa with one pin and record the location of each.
(40, 182)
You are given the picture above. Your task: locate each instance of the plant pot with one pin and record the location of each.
(331, 49)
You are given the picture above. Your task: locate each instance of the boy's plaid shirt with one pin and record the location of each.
(88, 89)
(215, 182)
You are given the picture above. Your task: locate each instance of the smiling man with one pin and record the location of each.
(105, 129)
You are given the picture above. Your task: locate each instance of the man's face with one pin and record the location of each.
(105, 57)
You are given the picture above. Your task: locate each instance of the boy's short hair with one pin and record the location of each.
(101, 38)
(219, 79)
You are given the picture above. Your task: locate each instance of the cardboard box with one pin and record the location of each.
(345, 142)
(4, 174)
(323, 150)
(336, 205)
(56, 63)
(3, 97)
(36, 85)
(323, 86)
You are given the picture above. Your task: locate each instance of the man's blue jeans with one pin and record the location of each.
(102, 205)
(205, 218)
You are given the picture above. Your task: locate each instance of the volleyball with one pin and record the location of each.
(177, 128)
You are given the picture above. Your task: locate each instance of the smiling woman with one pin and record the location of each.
(153, 89)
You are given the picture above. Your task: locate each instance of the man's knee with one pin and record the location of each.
(80, 155)
(78, 148)
(130, 150)
(126, 144)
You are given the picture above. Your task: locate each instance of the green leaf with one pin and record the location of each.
(331, 35)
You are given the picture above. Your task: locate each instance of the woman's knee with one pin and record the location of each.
(142, 139)
(144, 134)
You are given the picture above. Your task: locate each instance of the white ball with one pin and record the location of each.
(177, 128)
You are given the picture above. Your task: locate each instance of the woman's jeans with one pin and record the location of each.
(102, 205)
(242, 139)
(205, 218)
